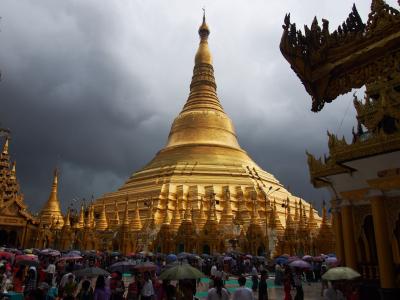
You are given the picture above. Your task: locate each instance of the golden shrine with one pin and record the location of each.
(363, 175)
(201, 193)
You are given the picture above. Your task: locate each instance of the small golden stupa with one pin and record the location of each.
(201, 167)
(51, 212)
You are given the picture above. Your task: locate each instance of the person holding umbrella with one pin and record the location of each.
(334, 292)
(147, 292)
(30, 281)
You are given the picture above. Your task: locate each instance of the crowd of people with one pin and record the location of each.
(91, 276)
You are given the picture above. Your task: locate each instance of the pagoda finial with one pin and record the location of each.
(136, 223)
(203, 55)
(102, 223)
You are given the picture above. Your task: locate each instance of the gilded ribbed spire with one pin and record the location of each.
(311, 223)
(14, 171)
(52, 207)
(102, 223)
(277, 225)
(116, 214)
(203, 55)
(212, 215)
(5, 147)
(166, 215)
(81, 221)
(67, 222)
(136, 223)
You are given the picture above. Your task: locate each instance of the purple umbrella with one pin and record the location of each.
(307, 257)
(331, 260)
(300, 264)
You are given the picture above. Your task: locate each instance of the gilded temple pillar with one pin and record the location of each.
(383, 245)
(337, 223)
(348, 237)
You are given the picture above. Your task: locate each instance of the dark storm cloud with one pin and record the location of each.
(93, 87)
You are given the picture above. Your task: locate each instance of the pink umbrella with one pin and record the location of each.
(28, 257)
(300, 264)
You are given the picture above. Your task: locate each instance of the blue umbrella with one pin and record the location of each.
(171, 257)
(331, 254)
(281, 260)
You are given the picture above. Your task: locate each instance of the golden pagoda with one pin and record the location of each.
(51, 212)
(202, 159)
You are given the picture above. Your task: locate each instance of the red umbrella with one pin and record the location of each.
(6, 255)
(27, 257)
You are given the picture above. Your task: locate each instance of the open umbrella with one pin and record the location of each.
(145, 267)
(293, 258)
(307, 257)
(91, 272)
(122, 266)
(171, 257)
(6, 255)
(71, 257)
(27, 260)
(281, 260)
(332, 261)
(340, 273)
(300, 264)
(181, 271)
(183, 255)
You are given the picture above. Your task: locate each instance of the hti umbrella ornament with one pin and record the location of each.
(340, 273)
(180, 272)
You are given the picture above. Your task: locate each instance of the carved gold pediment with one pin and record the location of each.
(330, 64)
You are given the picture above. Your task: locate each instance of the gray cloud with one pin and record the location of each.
(93, 87)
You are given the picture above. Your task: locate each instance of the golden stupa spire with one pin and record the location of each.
(67, 222)
(136, 223)
(52, 207)
(166, 215)
(116, 215)
(5, 147)
(311, 223)
(277, 225)
(81, 221)
(102, 223)
(212, 214)
(14, 171)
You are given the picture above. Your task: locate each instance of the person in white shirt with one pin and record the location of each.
(218, 292)
(242, 292)
(147, 292)
(213, 270)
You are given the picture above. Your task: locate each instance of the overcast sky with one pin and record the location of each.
(93, 87)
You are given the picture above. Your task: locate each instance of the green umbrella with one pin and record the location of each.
(90, 272)
(181, 271)
(340, 273)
